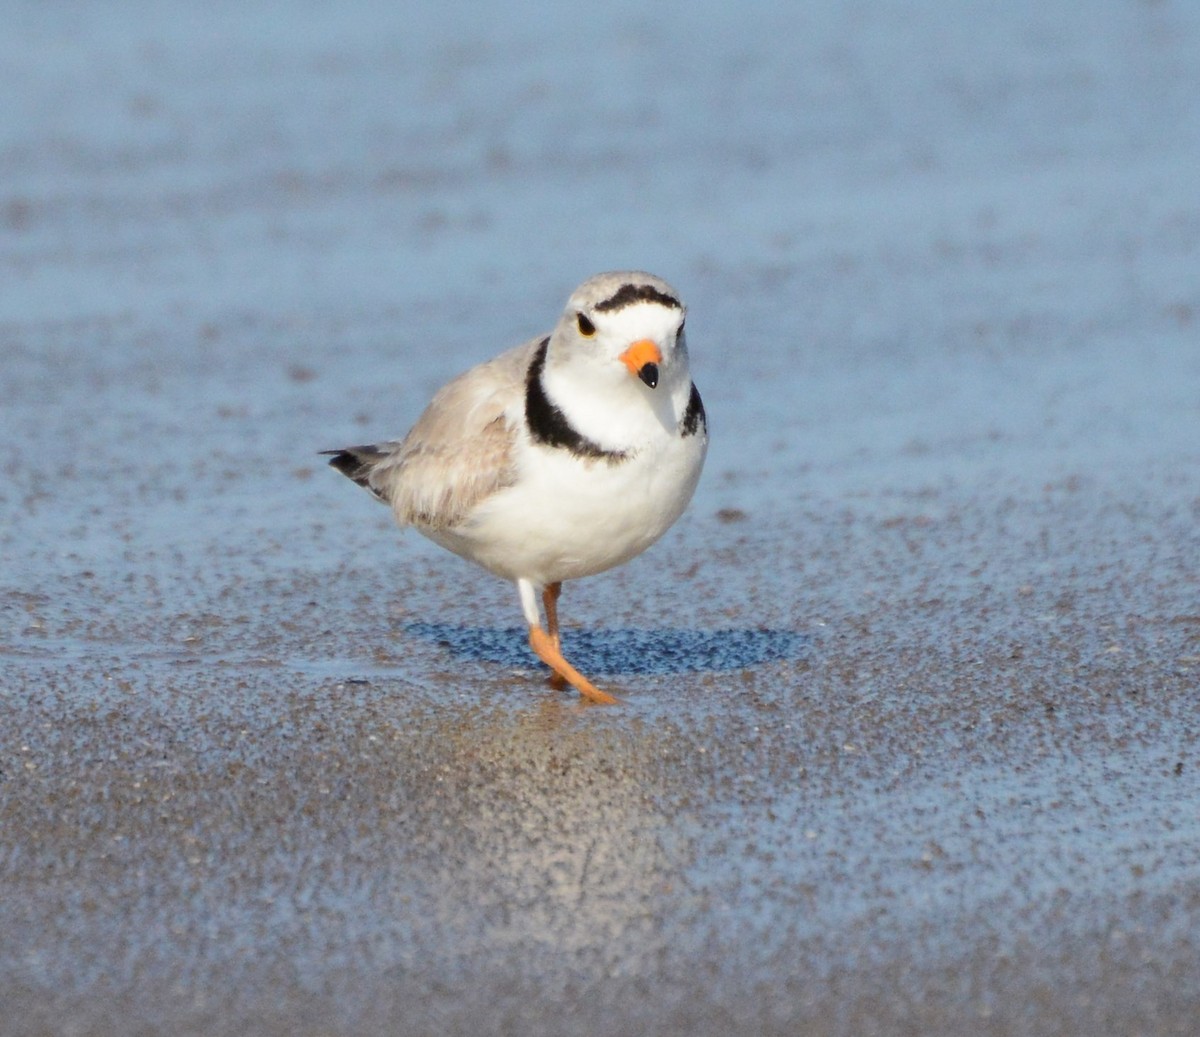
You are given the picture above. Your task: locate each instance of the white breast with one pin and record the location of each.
(568, 517)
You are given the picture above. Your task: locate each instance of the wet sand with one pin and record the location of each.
(908, 741)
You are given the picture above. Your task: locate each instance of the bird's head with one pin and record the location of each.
(623, 328)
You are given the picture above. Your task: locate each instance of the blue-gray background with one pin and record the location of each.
(911, 692)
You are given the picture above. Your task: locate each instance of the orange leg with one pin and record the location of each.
(546, 647)
(550, 603)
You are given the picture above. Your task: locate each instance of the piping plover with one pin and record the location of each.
(560, 458)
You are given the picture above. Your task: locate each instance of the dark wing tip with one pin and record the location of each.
(356, 464)
(347, 462)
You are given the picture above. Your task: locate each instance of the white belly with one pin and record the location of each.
(566, 518)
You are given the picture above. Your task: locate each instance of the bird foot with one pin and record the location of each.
(544, 647)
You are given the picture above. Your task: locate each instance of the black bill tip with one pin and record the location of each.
(649, 374)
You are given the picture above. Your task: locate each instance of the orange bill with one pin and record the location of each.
(640, 357)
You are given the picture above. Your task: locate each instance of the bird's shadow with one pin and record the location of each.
(633, 650)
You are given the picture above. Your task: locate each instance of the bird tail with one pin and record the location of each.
(357, 463)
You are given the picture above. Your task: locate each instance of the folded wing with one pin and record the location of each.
(460, 451)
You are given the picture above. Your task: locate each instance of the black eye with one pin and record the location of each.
(586, 328)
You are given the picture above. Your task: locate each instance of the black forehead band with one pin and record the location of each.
(628, 294)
